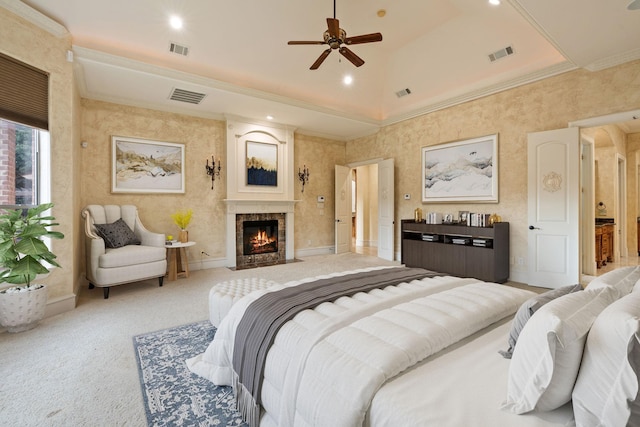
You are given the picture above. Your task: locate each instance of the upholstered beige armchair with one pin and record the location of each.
(119, 249)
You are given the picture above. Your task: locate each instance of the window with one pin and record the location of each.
(21, 149)
(24, 140)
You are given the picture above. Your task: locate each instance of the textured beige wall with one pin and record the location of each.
(201, 138)
(367, 205)
(314, 226)
(82, 176)
(548, 104)
(32, 45)
(605, 177)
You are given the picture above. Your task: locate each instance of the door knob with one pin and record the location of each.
(531, 227)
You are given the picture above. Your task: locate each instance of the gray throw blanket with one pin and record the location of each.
(266, 315)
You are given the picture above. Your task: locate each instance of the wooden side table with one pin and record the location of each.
(177, 261)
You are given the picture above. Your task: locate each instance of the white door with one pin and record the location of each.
(588, 213)
(620, 239)
(343, 209)
(386, 208)
(553, 205)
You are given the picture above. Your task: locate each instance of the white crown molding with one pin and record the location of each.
(531, 20)
(614, 60)
(551, 71)
(608, 119)
(85, 54)
(82, 53)
(369, 132)
(35, 17)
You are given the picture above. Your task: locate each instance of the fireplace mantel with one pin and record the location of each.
(247, 206)
(259, 205)
(243, 198)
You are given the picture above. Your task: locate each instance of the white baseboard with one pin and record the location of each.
(207, 263)
(56, 306)
(60, 305)
(323, 250)
(518, 276)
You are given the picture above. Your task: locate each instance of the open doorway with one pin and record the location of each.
(372, 214)
(611, 192)
(365, 209)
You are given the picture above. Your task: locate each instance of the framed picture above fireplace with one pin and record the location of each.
(262, 164)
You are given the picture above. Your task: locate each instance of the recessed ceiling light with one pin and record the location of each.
(175, 22)
(269, 117)
(494, 2)
(347, 80)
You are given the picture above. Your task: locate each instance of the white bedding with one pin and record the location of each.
(463, 385)
(327, 364)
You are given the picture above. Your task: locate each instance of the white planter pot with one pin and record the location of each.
(21, 311)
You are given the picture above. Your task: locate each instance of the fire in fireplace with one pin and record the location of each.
(260, 237)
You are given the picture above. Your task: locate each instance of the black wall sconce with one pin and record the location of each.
(214, 170)
(303, 176)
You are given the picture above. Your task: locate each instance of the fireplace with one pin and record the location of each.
(260, 239)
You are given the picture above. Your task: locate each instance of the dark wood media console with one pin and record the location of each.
(480, 252)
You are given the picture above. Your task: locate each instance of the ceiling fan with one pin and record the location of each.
(335, 37)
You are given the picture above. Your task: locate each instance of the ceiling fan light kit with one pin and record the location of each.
(335, 37)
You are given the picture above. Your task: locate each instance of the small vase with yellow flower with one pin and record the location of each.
(182, 220)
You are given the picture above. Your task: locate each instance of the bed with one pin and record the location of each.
(423, 352)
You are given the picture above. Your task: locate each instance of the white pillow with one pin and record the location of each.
(623, 279)
(545, 363)
(527, 309)
(607, 385)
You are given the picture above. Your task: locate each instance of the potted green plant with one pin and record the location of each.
(23, 256)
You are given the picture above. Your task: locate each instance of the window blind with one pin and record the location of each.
(24, 93)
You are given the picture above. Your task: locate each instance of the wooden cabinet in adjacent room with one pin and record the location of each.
(604, 244)
(480, 252)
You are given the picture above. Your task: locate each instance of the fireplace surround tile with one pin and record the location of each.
(256, 260)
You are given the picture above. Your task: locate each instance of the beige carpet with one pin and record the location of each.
(79, 368)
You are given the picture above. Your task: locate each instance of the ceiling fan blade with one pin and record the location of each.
(304, 42)
(334, 27)
(347, 53)
(320, 59)
(366, 38)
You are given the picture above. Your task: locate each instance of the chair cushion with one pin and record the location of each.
(131, 255)
(117, 234)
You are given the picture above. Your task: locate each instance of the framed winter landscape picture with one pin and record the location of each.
(461, 171)
(262, 164)
(143, 166)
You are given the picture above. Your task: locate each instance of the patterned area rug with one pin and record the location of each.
(174, 396)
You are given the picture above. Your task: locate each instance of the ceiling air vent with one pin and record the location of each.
(178, 49)
(186, 96)
(502, 53)
(403, 92)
